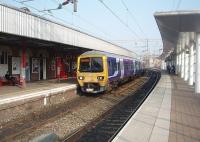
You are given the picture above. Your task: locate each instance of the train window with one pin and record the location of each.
(110, 70)
(112, 66)
(94, 64)
(131, 67)
(136, 66)
(84, 64)
(126, 66)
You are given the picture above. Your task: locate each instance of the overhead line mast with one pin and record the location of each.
(74, 2)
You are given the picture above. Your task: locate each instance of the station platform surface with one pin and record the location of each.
(45, 87)
(171, 113)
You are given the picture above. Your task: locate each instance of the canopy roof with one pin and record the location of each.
(21, 23)
(172, 23)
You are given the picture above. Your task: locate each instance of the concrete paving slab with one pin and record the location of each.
(159, 135)
(156, 109)
(137, 128)
(148, 119)
(151, 122)
(162, 123)
(10, 94)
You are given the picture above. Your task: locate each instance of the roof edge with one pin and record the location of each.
(179, 12)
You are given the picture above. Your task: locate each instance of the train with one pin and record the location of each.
(99, 71)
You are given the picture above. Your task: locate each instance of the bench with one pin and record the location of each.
(4, 81)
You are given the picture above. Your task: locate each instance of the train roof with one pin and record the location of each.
(94, 52)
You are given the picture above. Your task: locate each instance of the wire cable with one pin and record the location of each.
(51, 15)
(178, 4)
(173, 4)
(47, 13)
(117, 17)
(133, 17)
(84, 20)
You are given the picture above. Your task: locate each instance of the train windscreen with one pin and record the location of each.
(92, 64)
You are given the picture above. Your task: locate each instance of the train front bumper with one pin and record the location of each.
(92, 88)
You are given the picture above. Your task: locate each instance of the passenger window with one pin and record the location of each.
(112, 66)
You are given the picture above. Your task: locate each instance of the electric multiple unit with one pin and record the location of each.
(100, 71)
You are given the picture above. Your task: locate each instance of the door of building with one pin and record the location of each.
(44, 69)
(41, 69)
(10, 64)
(27, 70)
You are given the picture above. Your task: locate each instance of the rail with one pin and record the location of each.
(106, 128)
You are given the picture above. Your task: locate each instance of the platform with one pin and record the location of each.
(10, 94)
(171, 113)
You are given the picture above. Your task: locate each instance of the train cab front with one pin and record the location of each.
(91, 74)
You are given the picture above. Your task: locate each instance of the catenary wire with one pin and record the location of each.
(46, 13)
(117, 17)
(87, 22)
(133, 17)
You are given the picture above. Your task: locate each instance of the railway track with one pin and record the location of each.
(30, 123)
(111, 124)
(34, 120)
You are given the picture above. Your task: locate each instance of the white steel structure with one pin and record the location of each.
(180, 31)
(26, 24)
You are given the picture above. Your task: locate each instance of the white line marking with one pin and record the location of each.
(37, 94)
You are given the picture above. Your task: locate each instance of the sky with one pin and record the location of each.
(130, 23)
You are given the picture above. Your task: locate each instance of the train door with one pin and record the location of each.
(122, 67)
(135, 68)
(118, 66)
(112, 69)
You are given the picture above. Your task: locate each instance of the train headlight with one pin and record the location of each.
(81, 78)
(100, 77)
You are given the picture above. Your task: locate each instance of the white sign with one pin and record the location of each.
(15, 65)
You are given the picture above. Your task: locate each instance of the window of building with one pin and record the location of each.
(3, 57)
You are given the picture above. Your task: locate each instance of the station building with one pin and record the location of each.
(39, 63)
(34, 48)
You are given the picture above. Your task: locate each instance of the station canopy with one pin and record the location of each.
(19, 25)
(172, 23)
